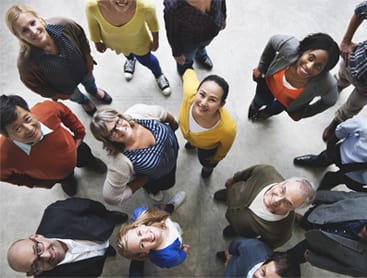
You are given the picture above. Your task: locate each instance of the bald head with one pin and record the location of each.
(21, 255)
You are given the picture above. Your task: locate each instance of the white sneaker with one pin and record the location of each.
(163, 84)
(177, 199)
(157, 197)
(129, 68)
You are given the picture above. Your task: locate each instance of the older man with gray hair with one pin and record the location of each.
(261, 203)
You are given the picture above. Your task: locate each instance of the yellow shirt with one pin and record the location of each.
(220, 137)
(132, 37)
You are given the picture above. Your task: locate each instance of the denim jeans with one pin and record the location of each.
(150, 61)
(89, 84)
(264, 96)
(198, 52)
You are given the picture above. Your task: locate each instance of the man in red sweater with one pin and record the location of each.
(36, 150)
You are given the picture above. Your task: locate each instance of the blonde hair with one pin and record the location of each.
(100, 132)
(151, 217)
(12, 16)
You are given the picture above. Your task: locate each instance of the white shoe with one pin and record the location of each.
(163, 84)
(177, 199)
(129, 68)
(157, 197)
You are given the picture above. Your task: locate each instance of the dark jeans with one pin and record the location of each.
(332, 179)
(84, 158)
(204, 154)
(163, 183)
(264, 96)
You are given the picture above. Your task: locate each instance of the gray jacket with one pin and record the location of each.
(280, 52)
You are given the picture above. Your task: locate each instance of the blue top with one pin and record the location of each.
(158, 160)
(170, 256)
(354, 146)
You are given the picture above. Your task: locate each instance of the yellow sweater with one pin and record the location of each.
(132, 37)
(220, 137)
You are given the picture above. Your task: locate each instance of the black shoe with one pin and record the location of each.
(188, 146)
(221, 256)
(110, 252)
(221, 195)
(205, 62)
(118, 217)
(70, 185)
(107, 99)
(310, 160)
(228, 232)
(252, 112)
(98, 166)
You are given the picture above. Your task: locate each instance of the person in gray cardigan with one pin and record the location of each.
(292, 73)
(336, 233)
(261, 203)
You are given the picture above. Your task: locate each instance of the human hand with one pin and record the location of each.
(224, 25)
(174, 125)
(228, 257)
(100, 46)
(180, 59)
(78, 142)
(186, 248)
(345, 50)
(256, 74)
(307, 255)
(154, 45)
(229, 182)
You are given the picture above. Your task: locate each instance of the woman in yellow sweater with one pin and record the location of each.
(129, 27)
(204, 122)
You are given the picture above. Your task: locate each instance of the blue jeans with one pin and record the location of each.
(198, 52)
(89, 84)
(150, 61)
(264, 96)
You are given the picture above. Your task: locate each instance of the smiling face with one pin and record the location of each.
(142, 239)
(120, 130)
(37, 255)
(208, 99)
(31, 29)
(311, 63)
(26, 129)
(281, 198)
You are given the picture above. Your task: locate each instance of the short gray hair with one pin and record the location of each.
(307, 190)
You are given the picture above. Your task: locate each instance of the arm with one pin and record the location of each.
(70, 120)
(190, 83)
(347, 45)
(21, 179)
(155, 43)
(173, 30)
(228, 134)
(245, 174)
(171, 121)
(153, 25)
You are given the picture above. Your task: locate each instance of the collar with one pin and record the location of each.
(28, 147)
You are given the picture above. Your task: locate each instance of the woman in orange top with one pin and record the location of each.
(291, 73)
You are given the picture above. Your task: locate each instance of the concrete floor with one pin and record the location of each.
(235, 53)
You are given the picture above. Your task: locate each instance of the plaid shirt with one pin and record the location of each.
(187, 26)
(358, 57)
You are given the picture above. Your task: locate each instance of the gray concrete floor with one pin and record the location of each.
(235, 53)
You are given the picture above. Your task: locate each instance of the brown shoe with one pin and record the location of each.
(330, 130)
(221, 195)
(206, 172)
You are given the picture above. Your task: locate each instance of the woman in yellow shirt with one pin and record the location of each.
(129, 27)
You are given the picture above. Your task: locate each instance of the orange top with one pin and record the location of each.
(282, 93)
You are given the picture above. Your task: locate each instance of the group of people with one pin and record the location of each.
(142, 147)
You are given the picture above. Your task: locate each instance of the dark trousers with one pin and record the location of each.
(264, 96)
(204, 154)
(163, 183)
(332, 179)
(84, 158)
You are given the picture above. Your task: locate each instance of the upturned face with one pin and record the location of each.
(26, 129)
(267, 270)
(283, 197)
(120, 130)
(311, 63)
(31, 29)
(36, 254)
(208, 99)
(142, 239)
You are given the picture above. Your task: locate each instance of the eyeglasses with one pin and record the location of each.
(38, 249)
(118, 123)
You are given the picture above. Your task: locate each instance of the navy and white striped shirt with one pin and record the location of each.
(358, 57)
(158, 160)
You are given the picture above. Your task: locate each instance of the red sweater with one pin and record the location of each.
(51, 159)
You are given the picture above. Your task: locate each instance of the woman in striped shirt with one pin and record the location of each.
(145, 135)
